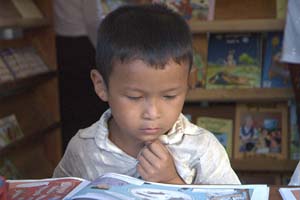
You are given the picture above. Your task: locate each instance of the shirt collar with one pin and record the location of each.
(99, 131)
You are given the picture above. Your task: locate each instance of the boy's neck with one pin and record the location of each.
(120, 140)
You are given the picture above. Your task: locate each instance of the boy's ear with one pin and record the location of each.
(99, 85)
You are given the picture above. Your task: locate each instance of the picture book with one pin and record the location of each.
(292, 193)
(221, 128)
(3, 188)
(197, 74)
(275, 74)
(113, 186)
(5, 73)
(234, 61)
(261, 131)
(193, 10)
(10, 130)
(27, 9)
(294, 142)
(281, 8)
(23, 62)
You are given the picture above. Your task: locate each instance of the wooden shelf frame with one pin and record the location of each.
(30, 138)
(244, 25)
(15, 87)
(264, 165)
(240, 95)
(24, 23)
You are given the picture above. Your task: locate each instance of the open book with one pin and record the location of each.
(291, 193)
(120, 187)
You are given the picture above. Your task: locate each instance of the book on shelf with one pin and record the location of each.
(28, 9)
(221, 128)
(294, 142)
(261, 131)
(193, 10)
(281, 8)
(113, 186)
(197, 74)
(5, 74)
(10, 130)
(234, 60)
(291, 193)
(23, 62)
(275, 74)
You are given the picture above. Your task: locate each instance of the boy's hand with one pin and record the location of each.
(156, 164)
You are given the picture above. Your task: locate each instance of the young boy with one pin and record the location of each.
(144, 56)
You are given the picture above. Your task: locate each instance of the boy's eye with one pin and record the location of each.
(134, 97)
(169, 97)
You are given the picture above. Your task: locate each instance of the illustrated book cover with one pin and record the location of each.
(234, 61)
(294, 142)
(275, 74)
(261, 131)
(10, 130)
(221, 128)
(113, 186)
(193, 10)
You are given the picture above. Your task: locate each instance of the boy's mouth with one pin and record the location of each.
(150, 130)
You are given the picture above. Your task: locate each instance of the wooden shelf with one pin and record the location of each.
(23, 23)
(251, 25)
(31, 138)
(17, 86)
(267, 165)
(236, 95)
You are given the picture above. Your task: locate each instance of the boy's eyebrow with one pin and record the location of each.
(134, 89)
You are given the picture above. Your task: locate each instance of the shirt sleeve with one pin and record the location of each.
(213, 166)
(72, 163)
(92, 15)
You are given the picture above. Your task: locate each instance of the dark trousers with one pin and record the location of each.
(79, 105)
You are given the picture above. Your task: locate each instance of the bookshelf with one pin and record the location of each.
(234, 16)
(33, 99)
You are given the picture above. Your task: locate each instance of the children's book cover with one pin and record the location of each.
(275, 73)
(191, 10)
(10, 130)
(234, 61)
(197, 76)
(261, 131)
(221, 128)
(295, 134)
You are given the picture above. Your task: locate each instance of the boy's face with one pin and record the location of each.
(145, 102)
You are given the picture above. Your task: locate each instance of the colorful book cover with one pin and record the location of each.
(295, 134)
(10, 130)
(275, 73)
(221, 128)
(197, 75)
(234, 61)
(192, 10)
(281, 6)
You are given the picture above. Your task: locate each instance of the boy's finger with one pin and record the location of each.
(158, 149)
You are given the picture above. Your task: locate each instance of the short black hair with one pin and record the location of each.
(152, 33)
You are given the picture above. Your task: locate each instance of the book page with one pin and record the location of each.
(56, 188)
(290, 193)
(116, 187)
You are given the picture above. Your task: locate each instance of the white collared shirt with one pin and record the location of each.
(198, 155)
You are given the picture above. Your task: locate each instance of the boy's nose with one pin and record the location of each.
(151, 110)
